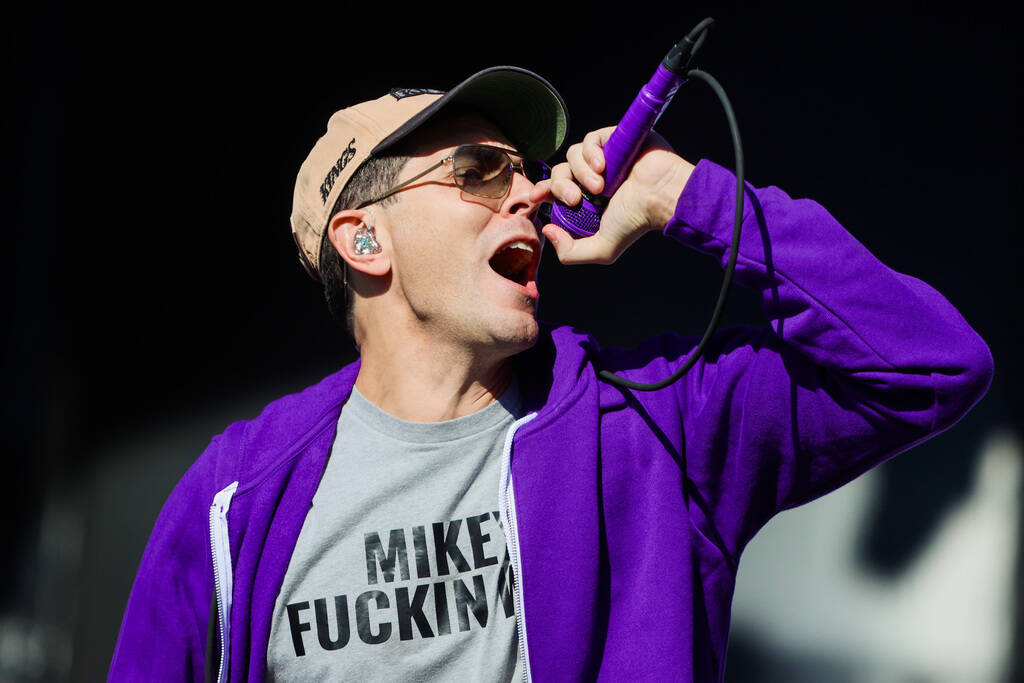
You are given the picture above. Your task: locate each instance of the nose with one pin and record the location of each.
(517, 201)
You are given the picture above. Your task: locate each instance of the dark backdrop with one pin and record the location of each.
(150, 157)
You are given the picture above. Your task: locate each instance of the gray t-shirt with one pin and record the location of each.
(401, 571)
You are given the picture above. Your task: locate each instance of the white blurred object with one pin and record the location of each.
(948, 617)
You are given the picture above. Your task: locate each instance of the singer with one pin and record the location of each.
(469, 501)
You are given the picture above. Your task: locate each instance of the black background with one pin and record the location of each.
(150, 157)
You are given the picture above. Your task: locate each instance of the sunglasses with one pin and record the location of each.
(482, 171)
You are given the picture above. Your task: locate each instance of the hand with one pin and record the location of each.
(645, 201)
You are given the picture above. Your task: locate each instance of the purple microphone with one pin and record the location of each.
(625, 143)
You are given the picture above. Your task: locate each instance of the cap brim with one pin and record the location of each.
(527, 109)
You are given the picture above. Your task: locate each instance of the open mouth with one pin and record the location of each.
(516, 261)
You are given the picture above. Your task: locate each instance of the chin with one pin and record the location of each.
(518, 336)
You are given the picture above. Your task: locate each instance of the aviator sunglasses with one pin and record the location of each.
(482, 171)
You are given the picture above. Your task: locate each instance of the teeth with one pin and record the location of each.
(520, 245)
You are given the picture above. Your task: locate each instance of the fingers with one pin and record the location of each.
(583, 170)
(586, 159)
(594, 249)
(645, 201)
(541, 192)
(584, 166)
(592, 148)
(560, 186)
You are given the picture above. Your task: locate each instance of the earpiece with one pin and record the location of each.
(365, 241)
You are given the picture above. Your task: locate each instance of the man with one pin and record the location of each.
(469, 501)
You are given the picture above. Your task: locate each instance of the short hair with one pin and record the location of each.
(376, 176)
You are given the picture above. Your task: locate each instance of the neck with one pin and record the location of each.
(430, 383)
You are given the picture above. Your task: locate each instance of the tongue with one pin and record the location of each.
(511, 263)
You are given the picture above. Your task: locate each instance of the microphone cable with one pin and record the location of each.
(687, 47)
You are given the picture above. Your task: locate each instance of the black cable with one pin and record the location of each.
(723, 294)
(699, 33)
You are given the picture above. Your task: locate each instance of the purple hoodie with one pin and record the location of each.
(626, 513)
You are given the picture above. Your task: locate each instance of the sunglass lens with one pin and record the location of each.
(536, 170)
(482, 171)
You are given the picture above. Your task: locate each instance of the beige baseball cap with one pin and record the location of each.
(527, 109)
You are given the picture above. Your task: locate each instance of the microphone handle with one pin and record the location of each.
(620, 152)
(629, 136)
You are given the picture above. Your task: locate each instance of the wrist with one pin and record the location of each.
(663, 200)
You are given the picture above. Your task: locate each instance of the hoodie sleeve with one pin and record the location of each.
(860, 362)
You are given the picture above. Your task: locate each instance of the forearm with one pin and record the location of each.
(830, 298)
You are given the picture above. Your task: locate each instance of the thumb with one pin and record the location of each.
(594, 249)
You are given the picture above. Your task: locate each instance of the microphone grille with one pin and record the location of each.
(579, 221)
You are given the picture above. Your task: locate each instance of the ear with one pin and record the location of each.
(341, 231)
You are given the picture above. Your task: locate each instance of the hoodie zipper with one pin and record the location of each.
(223, 580)
(506, 500)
